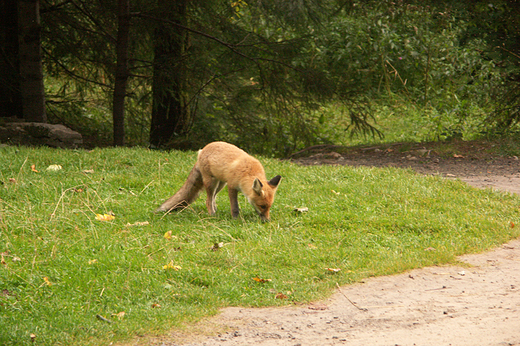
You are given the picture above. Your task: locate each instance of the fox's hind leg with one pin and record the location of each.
(213, 186)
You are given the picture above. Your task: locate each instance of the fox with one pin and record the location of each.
(221, 163)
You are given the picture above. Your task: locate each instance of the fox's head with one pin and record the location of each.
(263, 196)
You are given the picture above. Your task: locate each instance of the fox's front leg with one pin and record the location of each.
(233, 199)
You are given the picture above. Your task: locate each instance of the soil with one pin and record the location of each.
(474, 303)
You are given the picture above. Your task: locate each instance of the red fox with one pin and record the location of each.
(221, 163)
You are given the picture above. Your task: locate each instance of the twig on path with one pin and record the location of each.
(351, 302)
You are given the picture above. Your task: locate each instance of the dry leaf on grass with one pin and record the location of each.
(261, 280)
(333, 270)
(217, 246)
(138, 223)
(120, 315)
(54, 168)
(281, 296)
(105, 217)
(172, 266)
(33, 168)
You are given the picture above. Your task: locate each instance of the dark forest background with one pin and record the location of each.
(272, 76)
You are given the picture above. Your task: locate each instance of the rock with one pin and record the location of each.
(26, 133)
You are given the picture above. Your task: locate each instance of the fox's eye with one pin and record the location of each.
(263, 207)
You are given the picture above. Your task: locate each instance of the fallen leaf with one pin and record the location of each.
(54, 168)
(430, 249)
(217, 246)
(7, 293)
(88, 171)
(172, 266)
(337, 193)
(458, 156)
(47, 281)
(261, 280)
(168, 235)
(312, 246)
(512, 224)
(33, 168)
(155, 305)
(105, 217)
(138, 223)
(92, 261)
(301, 210)
(120, 315)
(281, 296)
(2, 260)
(12, 180)
(33, 337)
(333, 270)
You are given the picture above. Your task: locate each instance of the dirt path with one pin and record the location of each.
(473, 304)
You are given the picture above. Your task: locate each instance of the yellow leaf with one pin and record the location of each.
(168, 235)
(261, 280)
(47, 281)
(172, 266)
(33, 168)
(105, 217)
(92, 261)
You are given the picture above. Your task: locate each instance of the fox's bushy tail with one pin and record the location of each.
(187, 193)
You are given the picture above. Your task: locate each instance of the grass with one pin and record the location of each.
(64, 273)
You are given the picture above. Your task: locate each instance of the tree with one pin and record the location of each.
(31, 69)
(170, 114)
(10, 94)
(121, 74)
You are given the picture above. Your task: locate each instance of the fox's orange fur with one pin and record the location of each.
(221, 163)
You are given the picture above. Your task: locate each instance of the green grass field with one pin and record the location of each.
(67, 278)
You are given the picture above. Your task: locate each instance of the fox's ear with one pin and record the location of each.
(257, 186)
(275, 181)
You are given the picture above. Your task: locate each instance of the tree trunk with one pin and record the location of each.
(170, 114)
(118, 106)
(31, 70)
(10, 94)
